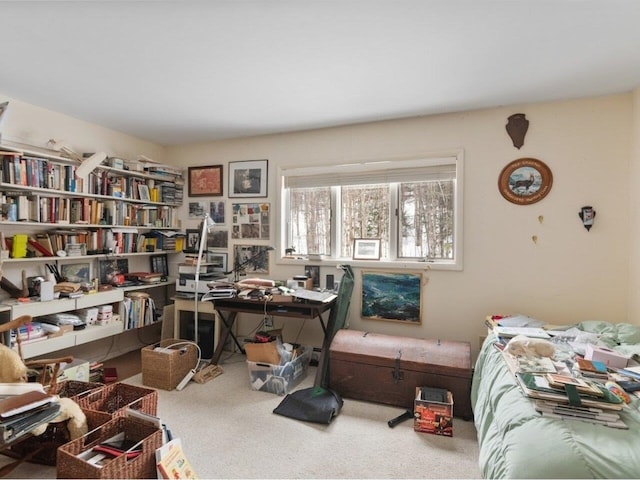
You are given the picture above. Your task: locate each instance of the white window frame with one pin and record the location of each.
(394, 168)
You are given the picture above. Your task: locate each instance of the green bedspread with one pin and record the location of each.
(516, 442)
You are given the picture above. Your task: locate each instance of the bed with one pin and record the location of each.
(516, 442)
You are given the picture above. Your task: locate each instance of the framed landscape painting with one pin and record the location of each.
(392, 296)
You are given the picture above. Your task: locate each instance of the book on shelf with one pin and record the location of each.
(172, 462)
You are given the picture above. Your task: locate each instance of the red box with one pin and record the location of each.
(432, 416)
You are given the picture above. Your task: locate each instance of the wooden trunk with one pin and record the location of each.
(387, 369)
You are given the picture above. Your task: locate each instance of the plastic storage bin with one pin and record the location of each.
(280, 379)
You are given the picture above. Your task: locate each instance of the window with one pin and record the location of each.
(413, 206)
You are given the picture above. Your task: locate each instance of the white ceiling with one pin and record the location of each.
(177, 72)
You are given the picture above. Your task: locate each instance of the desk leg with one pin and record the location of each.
(227, 325)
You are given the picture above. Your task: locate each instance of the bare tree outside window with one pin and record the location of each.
(310, 220)
(365, 214)
(412, 206)
(426, 220)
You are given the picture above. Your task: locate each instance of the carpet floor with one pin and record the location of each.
(228, 430)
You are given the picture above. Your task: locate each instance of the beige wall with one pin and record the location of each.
(633, 313)
(33, 125)
(567, 276)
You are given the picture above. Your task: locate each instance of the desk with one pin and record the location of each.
(227, 310)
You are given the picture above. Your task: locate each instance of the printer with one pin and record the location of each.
(186, 281)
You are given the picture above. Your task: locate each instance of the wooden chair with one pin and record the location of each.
(48, 368)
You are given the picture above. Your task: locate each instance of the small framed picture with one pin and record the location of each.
(248, 178)
(159, 264)
(313, 272)
(205, 181)
(143, 191)
(366, 249)
(219, 259)
(193, 240)
(76, 272)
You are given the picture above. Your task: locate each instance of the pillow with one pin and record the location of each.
(628, 334)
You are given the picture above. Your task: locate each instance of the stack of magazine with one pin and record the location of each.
(220, 289)
(570, 398)
(24, 407)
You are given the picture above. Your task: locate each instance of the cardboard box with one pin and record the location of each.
(606, 356)
(263, 352)
(279, 379)
(165, 364)
(433, 416)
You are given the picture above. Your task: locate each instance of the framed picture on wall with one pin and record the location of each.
(248, 178)
(525, 181)
(205, 181)
(393, 296)
(219, 259)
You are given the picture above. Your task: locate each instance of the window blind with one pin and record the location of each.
(371, 173)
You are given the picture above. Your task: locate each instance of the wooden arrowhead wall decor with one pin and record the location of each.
(517, 126)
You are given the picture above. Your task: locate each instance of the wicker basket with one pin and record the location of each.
(42, 449)
(115, 398)
(72, 388)
(166, 369)
(70, 465)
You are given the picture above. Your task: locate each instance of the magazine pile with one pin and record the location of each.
(23, 408)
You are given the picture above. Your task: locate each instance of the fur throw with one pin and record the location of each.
(523, 346)
(70, 412)
(12, 369)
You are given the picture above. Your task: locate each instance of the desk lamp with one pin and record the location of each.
(207, 225)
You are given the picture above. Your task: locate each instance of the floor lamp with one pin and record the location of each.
(207, 224)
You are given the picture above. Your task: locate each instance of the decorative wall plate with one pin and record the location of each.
(525, 181)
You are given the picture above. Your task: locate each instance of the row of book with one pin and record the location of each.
(22, 206)
(139, 310)
(37, 172)
(86, 242)
(29, 171)
(106, 183)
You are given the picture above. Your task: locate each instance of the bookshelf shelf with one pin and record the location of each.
(127, 212)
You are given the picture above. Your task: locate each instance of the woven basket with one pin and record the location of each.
(42, 449)
(70, 465)
(166, 369)
(73, 388)
(115, 398)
